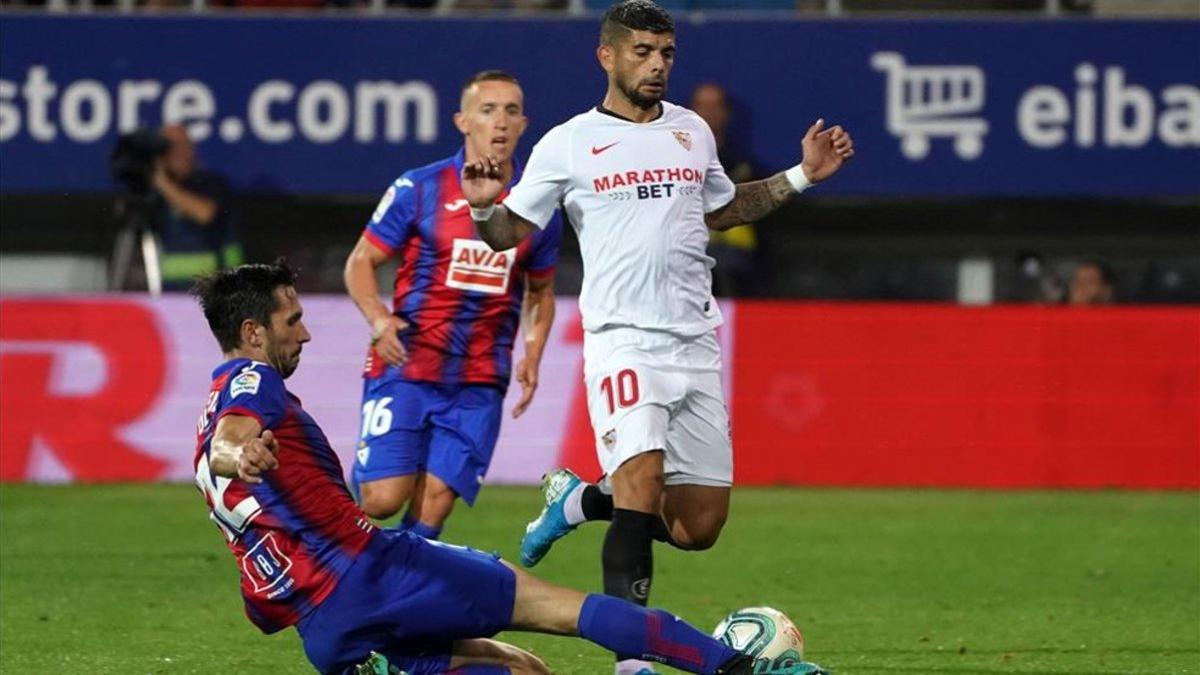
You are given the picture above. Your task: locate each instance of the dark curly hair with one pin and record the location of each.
(230, 296)
(630, 15)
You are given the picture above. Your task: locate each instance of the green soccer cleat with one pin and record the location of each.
(377, 665)
(766, 667)
(551, 525)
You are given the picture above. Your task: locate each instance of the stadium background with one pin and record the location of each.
(896, 335)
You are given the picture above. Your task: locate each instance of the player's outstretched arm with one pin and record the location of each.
(825, 151)
(242, 449)
(482, 182)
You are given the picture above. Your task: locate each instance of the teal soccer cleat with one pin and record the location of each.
(766, 667)
(551, 525)
(377, 665)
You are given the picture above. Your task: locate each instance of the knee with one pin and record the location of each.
(699, 536)
(382, 503)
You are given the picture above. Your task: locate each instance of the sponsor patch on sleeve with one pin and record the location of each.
(245, 383)
(384, 204)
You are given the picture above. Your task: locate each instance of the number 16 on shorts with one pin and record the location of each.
(376, 417)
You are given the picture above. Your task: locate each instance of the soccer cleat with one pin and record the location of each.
(793, 668)
(377, 665)
(744, 664)
(551, 525)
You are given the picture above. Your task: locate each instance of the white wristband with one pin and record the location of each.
(796, 177)
(484, 214)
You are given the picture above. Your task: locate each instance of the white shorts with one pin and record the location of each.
(650, 390)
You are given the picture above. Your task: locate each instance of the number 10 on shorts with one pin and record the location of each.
(621, 390)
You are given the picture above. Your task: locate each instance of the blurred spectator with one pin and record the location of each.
(188, 208)
(1038, 281)
(194, 220)
(735, 250)
(1091, 284)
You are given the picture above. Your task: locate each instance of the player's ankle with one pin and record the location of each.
(741, 664)
(586, 502)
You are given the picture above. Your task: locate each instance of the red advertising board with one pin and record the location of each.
(108, 388)
(1000, 397)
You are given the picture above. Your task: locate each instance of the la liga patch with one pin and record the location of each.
(384, 204)
(245, 383)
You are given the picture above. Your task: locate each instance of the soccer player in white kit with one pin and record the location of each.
(640, 181)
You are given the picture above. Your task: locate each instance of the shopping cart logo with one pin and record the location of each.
(925, 102)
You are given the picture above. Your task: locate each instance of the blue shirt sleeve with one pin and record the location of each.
(256, 390)
(391, 224)
(544, 256)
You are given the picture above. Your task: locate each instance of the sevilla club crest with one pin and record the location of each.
(684, 138)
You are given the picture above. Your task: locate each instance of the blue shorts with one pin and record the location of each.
(445, 429)
(409, 599)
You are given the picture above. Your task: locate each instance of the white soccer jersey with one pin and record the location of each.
(636, 195)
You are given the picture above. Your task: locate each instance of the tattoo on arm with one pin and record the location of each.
(751, 202)
(503, 230)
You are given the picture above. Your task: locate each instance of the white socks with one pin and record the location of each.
(573, 506)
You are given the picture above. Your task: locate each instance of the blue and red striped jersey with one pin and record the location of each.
(461, 299)
(295, 534)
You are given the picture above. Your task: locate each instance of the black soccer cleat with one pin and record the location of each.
(744, 664)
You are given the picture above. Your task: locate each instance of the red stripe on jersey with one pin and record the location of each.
(481, 343)
(404, 272)
(541, 274)
(442, 303)
(496, 280)
(378, 243)
(375, 366)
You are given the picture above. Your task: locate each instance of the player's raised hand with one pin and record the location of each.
(527, 376)
(825, 150)
(385, 338)
(257, 457)
(482, 181)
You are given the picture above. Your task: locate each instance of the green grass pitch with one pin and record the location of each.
(134, 579)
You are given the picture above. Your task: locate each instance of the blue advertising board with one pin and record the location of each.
(335, 105)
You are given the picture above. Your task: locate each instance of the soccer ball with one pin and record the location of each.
(765, 634)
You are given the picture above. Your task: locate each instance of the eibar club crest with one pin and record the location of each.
(684, 138)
